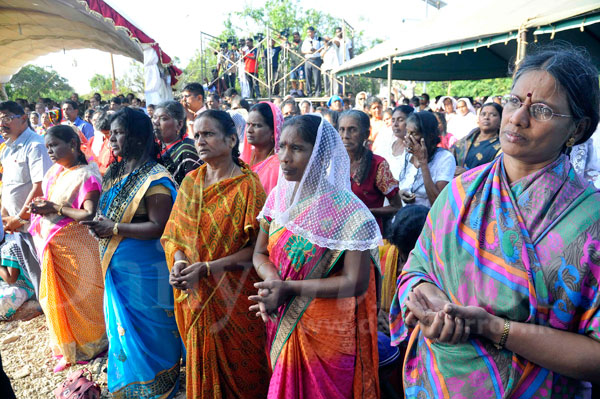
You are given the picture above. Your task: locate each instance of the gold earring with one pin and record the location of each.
(571, 142)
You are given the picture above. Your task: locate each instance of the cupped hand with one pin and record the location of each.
(407, 197)
(427, 306)
(478, 320)
(41, 206)
(101, 226)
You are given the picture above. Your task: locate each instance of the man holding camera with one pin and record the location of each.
(310, 49)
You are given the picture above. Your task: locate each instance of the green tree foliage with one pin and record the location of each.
(467, 88)
(132, 82)
(279, 16)
(101, 83)
(32, 82)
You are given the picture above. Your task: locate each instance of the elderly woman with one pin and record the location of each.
(465, 119)
(482, 145)
(370, 176)
(316, 252)
(208, 243)
(177, 151)
(501, 295)
(144, 347)
(427, 168)
(71, 288)
(261, 142)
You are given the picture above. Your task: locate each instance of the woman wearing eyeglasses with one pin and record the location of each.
(503, 287)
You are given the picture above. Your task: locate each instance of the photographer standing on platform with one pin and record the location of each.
(272, 51)
(251, 67)
(233, 57)
(297, 74)
(310, 48)
(329, 53)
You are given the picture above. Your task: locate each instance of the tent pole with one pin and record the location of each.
(389, 79)
(522, 41)
(114, 80)
(3, 95)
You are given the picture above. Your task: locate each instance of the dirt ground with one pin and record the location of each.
(27, 359)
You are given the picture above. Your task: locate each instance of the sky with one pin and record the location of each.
(176, 26)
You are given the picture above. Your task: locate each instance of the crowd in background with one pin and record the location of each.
(306, 63)
(287, 248)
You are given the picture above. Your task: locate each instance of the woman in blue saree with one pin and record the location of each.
(137, 197)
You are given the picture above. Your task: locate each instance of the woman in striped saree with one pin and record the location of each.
(500, 297)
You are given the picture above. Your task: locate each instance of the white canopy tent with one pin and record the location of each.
(479, 41)
(32, 28)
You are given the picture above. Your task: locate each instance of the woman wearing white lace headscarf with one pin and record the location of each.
(317, 254)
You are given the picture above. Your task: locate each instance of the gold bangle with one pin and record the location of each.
(181, 261)
(504, 338)
(261, 265)
(207, 269)
(60, 209)
(116, 229)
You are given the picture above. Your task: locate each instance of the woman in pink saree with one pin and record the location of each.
(261, 142)
(317, 255)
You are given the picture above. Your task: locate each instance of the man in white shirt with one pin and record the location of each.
(330, 61)
(25, 162)
(310, 49)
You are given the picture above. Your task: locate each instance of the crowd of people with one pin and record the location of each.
(306, 62)
(354, 249)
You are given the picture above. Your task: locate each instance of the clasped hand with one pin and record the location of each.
(443, 321)
(41, 206)
(100, 227)
(271, 295)
(184, 277)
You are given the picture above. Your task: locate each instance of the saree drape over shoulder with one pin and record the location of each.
(527, 252)
(144, 344)
(320, 348)
(225, 341)
(324, 348)
(71, 287)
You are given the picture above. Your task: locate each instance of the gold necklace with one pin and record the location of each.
(232, 169)
(254, 156)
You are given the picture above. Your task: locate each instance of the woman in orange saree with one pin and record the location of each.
(317, 254)
(208, 243)
(71, 288)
